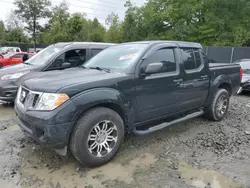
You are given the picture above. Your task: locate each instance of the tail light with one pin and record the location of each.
(241, 74)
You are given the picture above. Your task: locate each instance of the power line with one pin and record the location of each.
(113, 6)
(85, 7)
(81, 6)
(108, 2)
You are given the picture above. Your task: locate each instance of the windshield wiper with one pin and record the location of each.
(27, 63)
(100, 69)
(83, 67)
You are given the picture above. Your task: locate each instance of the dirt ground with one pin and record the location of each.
(198, 153)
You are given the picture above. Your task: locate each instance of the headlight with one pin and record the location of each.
(50, 101)
(13, 76)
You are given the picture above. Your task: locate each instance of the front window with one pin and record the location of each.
(74, 57)
(116, 57)
(43, 56)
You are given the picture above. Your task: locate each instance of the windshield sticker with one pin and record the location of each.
(130, 56)
(56, 50)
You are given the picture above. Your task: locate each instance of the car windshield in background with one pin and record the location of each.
(8, 55)
(3, 49)
(43, 56)
(245, 65)
(116, 57)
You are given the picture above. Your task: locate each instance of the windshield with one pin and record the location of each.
(7, 55)
(116, 57)
(43, 56)
(245, 65)
(3, 49)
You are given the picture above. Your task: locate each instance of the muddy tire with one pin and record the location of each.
(97, 137)
(219, 106)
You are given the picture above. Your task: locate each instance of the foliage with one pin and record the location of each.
(210, 22)
(115, 32)
(31, 12)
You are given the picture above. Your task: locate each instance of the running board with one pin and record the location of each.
(163, 125)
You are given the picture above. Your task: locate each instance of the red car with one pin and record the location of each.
(14, 58)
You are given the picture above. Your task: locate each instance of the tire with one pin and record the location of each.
(212, 111)
(1, 66)
(80, 139)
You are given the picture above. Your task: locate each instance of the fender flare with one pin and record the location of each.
(215, 84)
(100, 96)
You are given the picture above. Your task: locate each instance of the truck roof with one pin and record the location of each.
(87, 44)
(177, 43)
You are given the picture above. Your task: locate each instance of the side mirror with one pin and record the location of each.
(153, 68)
(66, 65)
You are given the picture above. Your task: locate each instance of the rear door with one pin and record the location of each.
(196, 78)
(158, 94)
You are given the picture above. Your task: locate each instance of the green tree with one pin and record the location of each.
(55, 29)
(115, 31)
(2, 30)
(77, 27)
(31, 12)
(96, 31)
(14, 31)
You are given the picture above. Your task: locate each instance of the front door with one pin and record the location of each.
(158, 94)
(15, 59)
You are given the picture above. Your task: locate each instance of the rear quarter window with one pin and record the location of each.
(191, 58)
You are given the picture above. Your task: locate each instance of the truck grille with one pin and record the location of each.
(27, 99)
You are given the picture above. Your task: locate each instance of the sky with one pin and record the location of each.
(93, 8)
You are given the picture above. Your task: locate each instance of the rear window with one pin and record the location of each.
(191, 58)
(18, 56)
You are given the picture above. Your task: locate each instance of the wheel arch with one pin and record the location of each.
(220, 82)
(104, 97)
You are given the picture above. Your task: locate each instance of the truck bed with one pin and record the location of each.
(226, 70)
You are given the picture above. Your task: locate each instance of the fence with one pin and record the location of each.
(227, 54)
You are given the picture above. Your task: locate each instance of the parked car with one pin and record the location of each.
(14, 58)
(245, 82)
(55, 57)
(6, 50)
(124, 88)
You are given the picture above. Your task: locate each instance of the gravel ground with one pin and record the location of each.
(198, 153)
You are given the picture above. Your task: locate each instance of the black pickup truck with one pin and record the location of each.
(55, 57)
(123, 89)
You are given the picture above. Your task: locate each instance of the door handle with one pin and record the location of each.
(177, 80)
(204, 76)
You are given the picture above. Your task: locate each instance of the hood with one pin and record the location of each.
(53, 81)
(12, 69)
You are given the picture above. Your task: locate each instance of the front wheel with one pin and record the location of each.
(219, 106)
(97, 137)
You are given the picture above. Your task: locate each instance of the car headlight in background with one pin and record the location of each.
(50, 101)
(13, 76)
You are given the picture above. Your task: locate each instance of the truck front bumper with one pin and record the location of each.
(49, 128)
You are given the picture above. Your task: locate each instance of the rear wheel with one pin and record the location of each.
(219, 106)
(97, 137)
